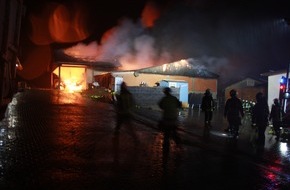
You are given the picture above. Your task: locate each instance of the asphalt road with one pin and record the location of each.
(56, 140)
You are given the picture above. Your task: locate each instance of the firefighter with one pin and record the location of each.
(207, 106)
(233, 112)
(275, 117)
(260, 117)
(170, 106)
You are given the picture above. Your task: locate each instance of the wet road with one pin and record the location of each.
(56, 140)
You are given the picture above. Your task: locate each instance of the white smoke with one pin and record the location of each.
(128, 42)
(231, 44)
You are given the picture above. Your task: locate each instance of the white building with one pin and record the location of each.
(274, 84)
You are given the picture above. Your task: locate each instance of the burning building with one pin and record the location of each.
(81, 76)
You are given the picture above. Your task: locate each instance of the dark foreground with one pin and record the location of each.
(55, 140)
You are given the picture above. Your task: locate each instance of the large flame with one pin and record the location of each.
(72, 79)
(52, 23)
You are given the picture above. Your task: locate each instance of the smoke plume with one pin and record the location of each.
(232, 43)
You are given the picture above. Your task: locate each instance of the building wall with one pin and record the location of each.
(249, 93)
(199, 85)
(246, 89)
(150, 96)
(11, 16)
(196, 85)
(246, 93)
(274, 87)
(89, 76)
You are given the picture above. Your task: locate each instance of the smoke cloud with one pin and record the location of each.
(232, 43)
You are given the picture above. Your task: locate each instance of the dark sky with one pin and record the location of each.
(235, 39)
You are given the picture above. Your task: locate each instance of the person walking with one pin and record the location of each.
(207, 106)
(124, 107)
(233, 112)
(275, 117)
(260, 115)
(170, 106)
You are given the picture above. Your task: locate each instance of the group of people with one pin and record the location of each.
(233, 112)
(169, 104)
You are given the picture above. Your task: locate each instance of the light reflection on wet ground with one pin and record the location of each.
(273, 157)
(56, 140)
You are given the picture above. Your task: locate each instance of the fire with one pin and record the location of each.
(150, 14)
(72, 78)
(71, 86)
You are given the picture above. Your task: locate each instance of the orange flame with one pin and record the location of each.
(107, 35)
(73, 79)
(150, 14)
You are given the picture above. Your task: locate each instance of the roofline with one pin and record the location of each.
(274, 73)
(111, 68)
(172, 80)
(88, 64)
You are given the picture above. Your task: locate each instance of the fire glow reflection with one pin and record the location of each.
(8, 124)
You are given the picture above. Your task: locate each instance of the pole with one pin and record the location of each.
(59, 77)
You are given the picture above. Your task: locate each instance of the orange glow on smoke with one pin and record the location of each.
(73, 79)
(107, 35)
(82, 51)
(150, 14)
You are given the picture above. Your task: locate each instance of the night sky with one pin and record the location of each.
(234, 39)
